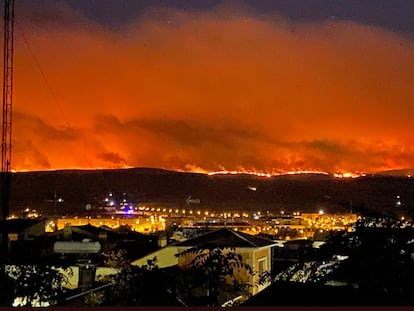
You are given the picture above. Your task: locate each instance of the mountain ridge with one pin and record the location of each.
(304, 192)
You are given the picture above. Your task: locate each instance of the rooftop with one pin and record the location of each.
(226, 237)
(19, 225)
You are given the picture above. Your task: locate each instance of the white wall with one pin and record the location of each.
(165, 257)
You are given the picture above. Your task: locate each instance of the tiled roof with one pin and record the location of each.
(226, 237)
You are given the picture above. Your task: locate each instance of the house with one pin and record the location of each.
(294, 250)
(24, 229)
(24, 238)
(87, 237)
(134, 243)
(255, 251)
(78, 247)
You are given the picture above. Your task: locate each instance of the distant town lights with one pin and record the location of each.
(398, 202)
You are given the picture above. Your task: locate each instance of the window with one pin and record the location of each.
(262, 265)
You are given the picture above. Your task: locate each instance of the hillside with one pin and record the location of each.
(306, 192)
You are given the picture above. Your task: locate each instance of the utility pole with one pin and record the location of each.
(7, 117)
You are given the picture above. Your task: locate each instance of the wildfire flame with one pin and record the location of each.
(348, 175)
(265, 174)
(260, 174)
(242, 171)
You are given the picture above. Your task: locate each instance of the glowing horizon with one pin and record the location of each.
(220, 89)
(273, 173)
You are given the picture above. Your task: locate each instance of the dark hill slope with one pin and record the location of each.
(304, 192)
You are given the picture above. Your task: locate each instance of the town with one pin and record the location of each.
(268, 243)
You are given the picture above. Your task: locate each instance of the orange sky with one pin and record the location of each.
(212, 90)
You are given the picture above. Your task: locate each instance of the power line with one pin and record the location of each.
(45, 80)
(48, 86)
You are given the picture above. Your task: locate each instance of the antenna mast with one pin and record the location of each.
(7, 112)
(7, 85)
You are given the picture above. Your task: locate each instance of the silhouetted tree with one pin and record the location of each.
(6, 289)
(133, 285)
(217, 270)
(36, 283)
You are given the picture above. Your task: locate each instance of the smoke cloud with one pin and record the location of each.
(223, 88)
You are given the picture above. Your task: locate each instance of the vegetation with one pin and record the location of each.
(379, 260)
(35, 284)
(216, 273)
(6, 288)
(132, 285)
(213, 276)
(375, 260)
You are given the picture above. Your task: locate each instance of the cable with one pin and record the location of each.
(50, 89)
